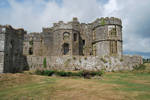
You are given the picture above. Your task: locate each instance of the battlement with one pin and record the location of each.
(107, 21)
(34, 36)
(74, 24)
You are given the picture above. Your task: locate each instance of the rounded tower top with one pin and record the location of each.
(107, 21)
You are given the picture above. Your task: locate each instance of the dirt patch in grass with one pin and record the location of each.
(12, 80)
(112, 86)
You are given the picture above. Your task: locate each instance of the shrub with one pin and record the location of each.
(62, 73)
(48, 72)
(39, 72)
(84, 73)
(44, 63)
(140, 67)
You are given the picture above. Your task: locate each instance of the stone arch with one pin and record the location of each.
(66, 35)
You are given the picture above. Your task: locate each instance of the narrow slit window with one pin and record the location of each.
(75, 37)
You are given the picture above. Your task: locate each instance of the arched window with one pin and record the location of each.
(66, 35)
(75, 36)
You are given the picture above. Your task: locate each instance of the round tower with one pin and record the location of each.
(107, 37)
(66, 38)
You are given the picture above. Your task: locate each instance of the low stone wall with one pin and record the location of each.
(84, 63)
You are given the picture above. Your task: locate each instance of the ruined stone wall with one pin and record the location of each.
(86, 39)
(63, 37)
(2, 41)
(73, 38)
(107, 37)
(13, 49)
(85, 62)
(41, 44)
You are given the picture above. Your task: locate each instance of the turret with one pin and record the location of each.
(107, 37)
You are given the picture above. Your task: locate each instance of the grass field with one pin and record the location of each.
(112, 86)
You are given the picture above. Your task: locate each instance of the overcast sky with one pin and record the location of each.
(32, 15)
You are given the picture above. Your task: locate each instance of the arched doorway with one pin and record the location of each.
(65, 48)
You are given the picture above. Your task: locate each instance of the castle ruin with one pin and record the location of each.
(66, 46)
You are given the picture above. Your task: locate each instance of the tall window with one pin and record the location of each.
(75, 36)
(30, 51)
(112, 30)
(113, 47)
(66, 48)
(83, 41)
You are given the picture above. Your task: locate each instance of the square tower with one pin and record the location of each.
(11, 49)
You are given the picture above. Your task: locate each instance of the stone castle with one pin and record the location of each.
(66, 46)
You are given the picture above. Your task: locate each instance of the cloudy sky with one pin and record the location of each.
(32, 15)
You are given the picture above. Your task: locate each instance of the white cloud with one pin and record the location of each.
(35, 14)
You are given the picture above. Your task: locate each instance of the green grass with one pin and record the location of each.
(130, 82)
(30, 90)
(113, 86)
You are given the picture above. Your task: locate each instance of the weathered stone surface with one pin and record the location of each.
(11, 49)
(85, 63)
(66, 46)
(74, 38)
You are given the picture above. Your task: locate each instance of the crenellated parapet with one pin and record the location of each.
(72, 25)
(32, 37)
(107, 21)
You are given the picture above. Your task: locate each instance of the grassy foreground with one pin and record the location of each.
(112, 86)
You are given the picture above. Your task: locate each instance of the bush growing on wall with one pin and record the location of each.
(44, 63)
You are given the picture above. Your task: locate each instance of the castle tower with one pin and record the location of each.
(66, 38)
(11, 49)
(107, 37)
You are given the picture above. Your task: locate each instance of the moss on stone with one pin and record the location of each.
(104, 60)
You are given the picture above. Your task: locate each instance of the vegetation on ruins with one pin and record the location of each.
(31, 42)
(44, 63)
(102, 21)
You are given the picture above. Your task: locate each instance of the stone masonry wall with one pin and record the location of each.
(2, 43)
(12, 56)
(72, 63)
